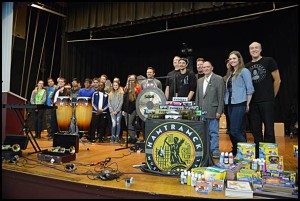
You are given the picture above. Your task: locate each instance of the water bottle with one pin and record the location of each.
(221, 160)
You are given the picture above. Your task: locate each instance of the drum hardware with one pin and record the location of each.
(58, 149)
(80, 111)
(14, 147)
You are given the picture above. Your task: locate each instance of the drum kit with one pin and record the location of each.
(74, 117)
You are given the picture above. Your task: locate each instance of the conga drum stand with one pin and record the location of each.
(74, 128)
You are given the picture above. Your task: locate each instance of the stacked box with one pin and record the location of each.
(203, 187)
(274, 163)
(217, 185)
(267, 149)
(245, 151)
(214, 173)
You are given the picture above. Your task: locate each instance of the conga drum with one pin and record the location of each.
(83, 113)
(63, 112)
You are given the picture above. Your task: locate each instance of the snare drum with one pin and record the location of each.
(83, 113)
(63, 112)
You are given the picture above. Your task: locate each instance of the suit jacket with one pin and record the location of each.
(213, 100)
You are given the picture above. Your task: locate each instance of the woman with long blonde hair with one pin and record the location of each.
(131, 91)
(115, 102)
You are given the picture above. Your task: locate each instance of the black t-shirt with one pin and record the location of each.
(261, 72)
(185, 83)
(170, 82)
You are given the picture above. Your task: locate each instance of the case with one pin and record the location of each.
(21, 140)
(62, 140)
(66, 141)
(55, 157)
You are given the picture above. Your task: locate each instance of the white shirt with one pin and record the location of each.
(205, 83)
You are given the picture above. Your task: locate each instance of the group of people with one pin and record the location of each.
(246, 88)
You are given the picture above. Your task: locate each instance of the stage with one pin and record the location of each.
(30, 178)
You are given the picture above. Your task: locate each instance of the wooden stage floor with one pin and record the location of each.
(30, 178)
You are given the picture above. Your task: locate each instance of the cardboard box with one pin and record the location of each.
(274, 163)
(278, 129)
(267, 149)
(245, 151)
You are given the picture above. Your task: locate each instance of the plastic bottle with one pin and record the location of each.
(254, 165)
(221, 160)
(182, 178)
(230, 158)
(185, 176)
(194, 179)
(226, 160)
(189, 178)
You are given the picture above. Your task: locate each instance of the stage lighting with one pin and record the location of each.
(42, 7)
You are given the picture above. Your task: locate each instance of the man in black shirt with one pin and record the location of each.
(170, 84)
(266, 82)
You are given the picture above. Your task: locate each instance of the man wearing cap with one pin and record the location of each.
(186, 82)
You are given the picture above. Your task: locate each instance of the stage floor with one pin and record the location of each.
(31, 178)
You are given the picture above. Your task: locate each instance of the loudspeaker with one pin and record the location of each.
(21, 140)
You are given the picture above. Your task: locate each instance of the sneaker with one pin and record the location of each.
(112, 139)
(216, 155)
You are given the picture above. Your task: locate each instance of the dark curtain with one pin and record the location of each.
(89, 15)
(276, 31)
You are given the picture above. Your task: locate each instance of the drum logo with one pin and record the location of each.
(173, 146)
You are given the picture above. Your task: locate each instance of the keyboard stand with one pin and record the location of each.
(26, 129)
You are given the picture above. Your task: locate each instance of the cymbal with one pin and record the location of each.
(151, 99)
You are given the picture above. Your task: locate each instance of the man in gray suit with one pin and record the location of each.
(210, 97)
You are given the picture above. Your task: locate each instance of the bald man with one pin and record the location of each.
(266, 82)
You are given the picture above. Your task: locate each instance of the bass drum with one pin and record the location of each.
(149, 99)
(83, 113)
(63, 113)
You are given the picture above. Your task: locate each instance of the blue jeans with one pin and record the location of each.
(236, 115)
(213, 131)
(262, 113)
(116, 124)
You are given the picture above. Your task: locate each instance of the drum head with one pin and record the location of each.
(151, 99)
